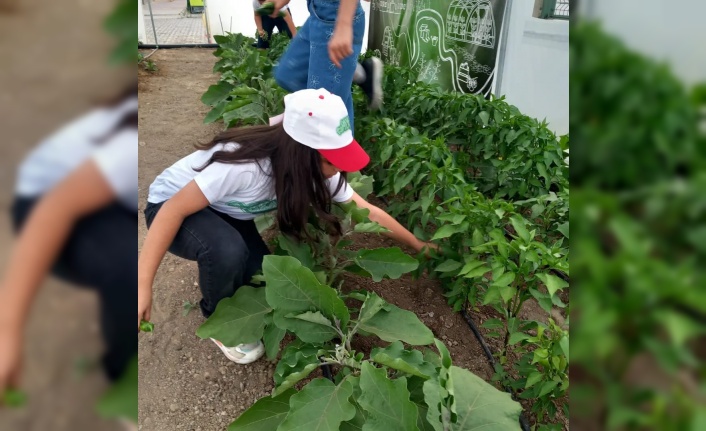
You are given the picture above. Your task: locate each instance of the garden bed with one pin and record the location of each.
(185, 382)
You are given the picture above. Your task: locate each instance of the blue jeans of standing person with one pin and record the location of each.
(306, 63)
(228, 251)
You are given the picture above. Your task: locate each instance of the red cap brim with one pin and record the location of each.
(350, 158)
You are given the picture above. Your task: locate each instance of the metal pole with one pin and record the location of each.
(502, 49)
(154, 29)
(208, 26)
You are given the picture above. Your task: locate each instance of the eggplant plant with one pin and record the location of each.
(391, 388)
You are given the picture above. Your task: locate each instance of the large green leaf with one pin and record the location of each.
(362, 184)
(216, 93)
(361, 416)
(552, 282)
(215, 113)
(386, 401)
(265, 415)
(393, 324)
(381, 262)
(371, 306)
(409, 361)
(238, 319)
(480, 406)
(415, 386)
(301, 251)
(298, 361)
(519, 224)
(320, 406)
(448, 230)
(438, 416)
(293, 288)
(120, 401)
(272, 337)
(310, 327)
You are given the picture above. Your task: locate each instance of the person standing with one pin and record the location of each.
(266, 24)
(325, 53)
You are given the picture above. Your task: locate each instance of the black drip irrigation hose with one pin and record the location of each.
(326, 371)
(491, 359)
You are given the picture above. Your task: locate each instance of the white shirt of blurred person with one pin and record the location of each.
(266, 25)
(76, 212)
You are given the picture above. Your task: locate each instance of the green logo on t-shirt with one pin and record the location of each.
(343, 126)
(254, 207)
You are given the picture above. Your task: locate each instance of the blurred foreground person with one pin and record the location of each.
(75, 212)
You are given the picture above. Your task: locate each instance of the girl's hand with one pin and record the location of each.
(144, 305)
(427, 247)
(341, 44)
(10, 357)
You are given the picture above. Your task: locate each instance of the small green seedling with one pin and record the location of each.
(268, 8)
(146, 326)
(14, 398)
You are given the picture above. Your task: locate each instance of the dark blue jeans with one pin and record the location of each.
(101, 255)
(306, 63)
(228, 251)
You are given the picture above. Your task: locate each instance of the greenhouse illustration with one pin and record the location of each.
(471, 21)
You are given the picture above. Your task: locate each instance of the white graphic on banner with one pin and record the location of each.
(391, 6)
(471, 21)
(464, 77)
(467, 22)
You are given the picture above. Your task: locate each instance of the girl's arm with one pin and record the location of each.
(164, 228)
(258, 23)
(36, 249)
(44, 234)
(341, 44)
(290, 23)
(397, 231)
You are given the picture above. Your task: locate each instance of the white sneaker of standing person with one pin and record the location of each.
(242, 353)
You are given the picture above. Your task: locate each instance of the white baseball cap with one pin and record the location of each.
(319, 120)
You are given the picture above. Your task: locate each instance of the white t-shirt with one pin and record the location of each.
(256, 5)
(61, 153)
(240, 190)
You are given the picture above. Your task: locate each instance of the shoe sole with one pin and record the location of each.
(376, 100)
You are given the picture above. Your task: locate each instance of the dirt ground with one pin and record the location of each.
(53, 69)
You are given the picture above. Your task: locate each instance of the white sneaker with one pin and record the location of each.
(242, 353)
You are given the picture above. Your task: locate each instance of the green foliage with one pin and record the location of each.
(239, 319)
(658, 136)
(13, 398)
(120, 401)
(246, 93)
(329, 255)
(495, 252)
(363, 395)
(637, 252)
(121, 24)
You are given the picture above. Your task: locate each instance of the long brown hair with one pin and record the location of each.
(299, 182)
